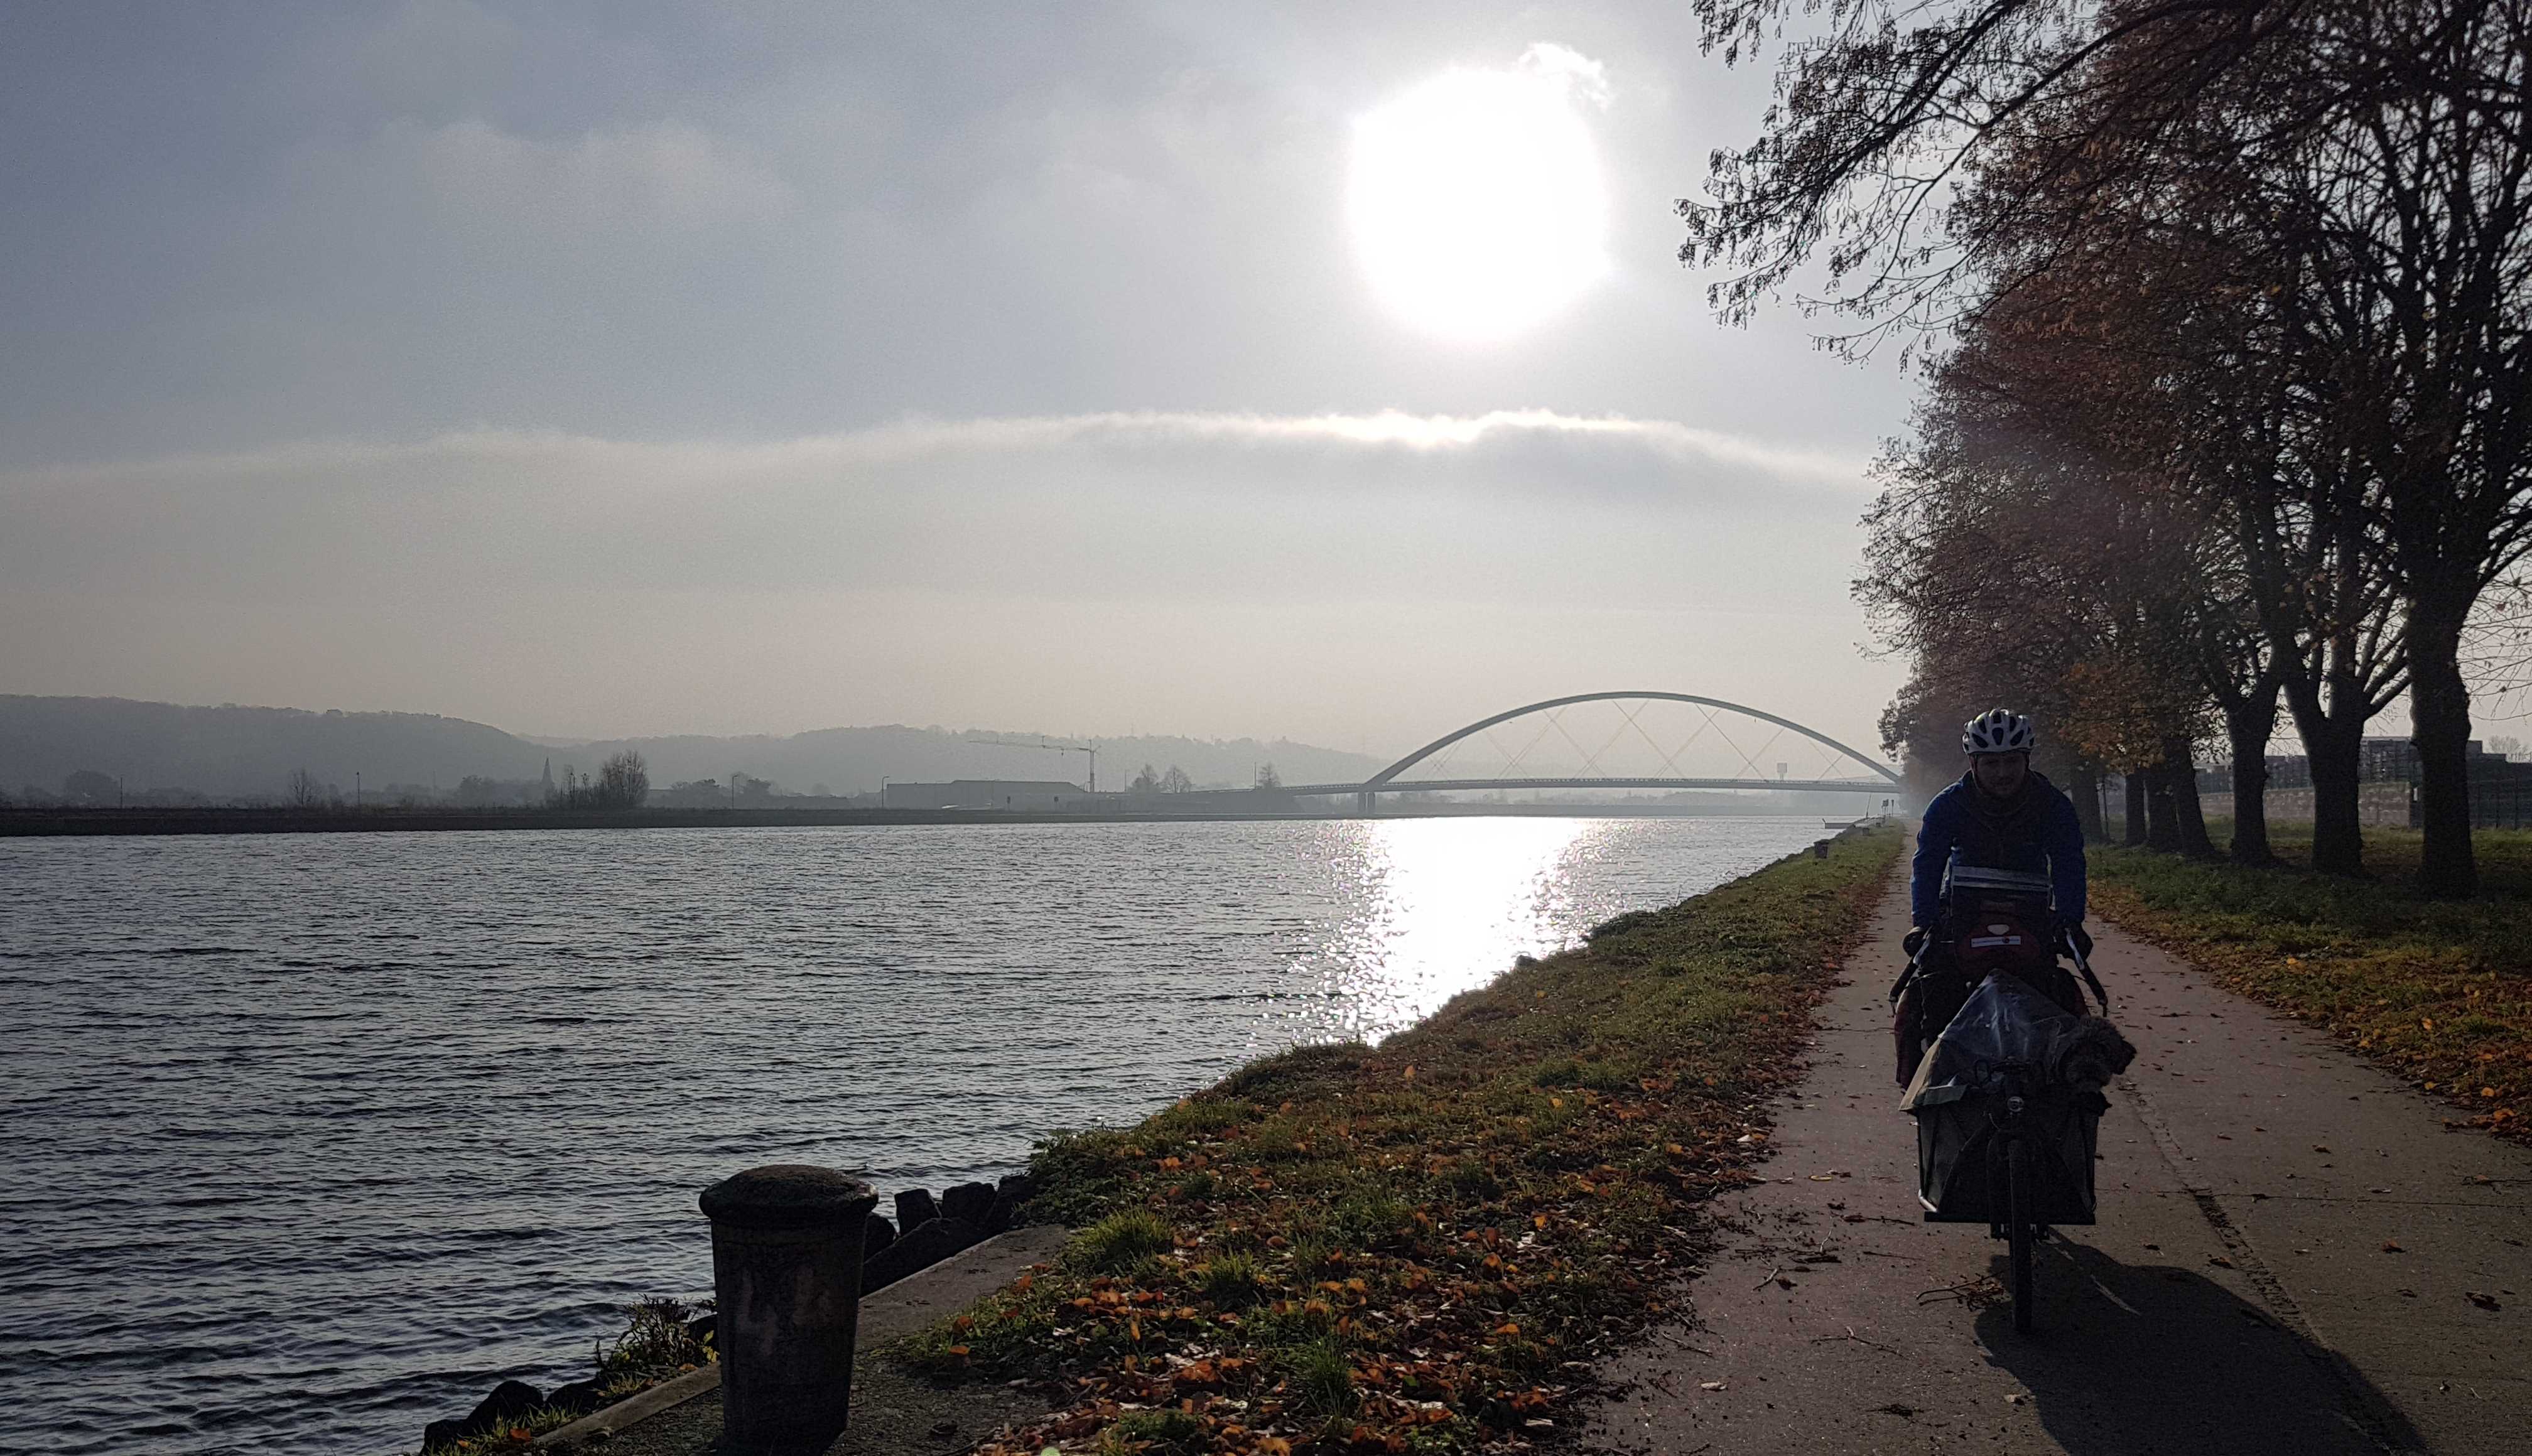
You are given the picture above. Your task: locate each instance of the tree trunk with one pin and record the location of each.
(2337, 834)
(2162, 811)
(2439, 719)
(2189, 816)
(2249, 723)
(2335, 747)
(2133, 829)
(2083, 786)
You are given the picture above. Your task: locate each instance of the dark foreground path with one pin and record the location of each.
(2292, 1257)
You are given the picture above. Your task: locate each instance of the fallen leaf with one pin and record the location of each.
(1709, 1385)
(2390, 1248)
(2484, 1301)
(2219, 1261)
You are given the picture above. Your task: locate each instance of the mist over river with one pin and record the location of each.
(312, 1138)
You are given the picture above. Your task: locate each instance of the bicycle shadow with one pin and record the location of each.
(2130, 1359)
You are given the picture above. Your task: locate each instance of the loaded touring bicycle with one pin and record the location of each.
(2008, 1096)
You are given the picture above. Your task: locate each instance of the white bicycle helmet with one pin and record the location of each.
(1998, 730)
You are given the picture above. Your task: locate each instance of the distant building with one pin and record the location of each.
(1012, 794)
(2384, 760)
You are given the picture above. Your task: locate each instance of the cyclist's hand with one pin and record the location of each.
(2081, 941)
(1914, 941)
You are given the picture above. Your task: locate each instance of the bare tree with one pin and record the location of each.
(624, 782)
(305, 791)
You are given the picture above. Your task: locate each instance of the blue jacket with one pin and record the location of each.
(2035, 831)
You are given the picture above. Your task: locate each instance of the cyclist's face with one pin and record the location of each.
(2001, 774)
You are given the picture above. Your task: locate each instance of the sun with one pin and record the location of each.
(1478, 200)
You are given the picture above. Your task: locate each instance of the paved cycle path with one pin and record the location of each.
(2289, 1247)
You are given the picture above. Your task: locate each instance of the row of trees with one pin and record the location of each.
(1174, 780)
(622, 782)
(2227, 310)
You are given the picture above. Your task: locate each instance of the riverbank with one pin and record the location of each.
(1425, 1246)
(2438, 992)
(58, 822)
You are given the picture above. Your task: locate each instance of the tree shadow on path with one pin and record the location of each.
(2151, 1358)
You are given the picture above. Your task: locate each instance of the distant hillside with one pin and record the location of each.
(245, 753)
(851, 761)
(231, 752)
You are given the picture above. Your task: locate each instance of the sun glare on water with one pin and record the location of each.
(1478, 200)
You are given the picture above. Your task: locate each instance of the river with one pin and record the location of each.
(312, 1138)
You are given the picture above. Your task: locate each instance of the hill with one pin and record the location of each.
(232, 752)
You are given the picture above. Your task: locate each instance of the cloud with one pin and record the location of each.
(1584, 77)
(1689, 458)
(660, 173)
(1143, 505)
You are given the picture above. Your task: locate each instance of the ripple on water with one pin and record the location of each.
(313, 1137)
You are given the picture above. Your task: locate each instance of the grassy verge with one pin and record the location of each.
(656, 1347)
(2437, 992)
(1424, 1247)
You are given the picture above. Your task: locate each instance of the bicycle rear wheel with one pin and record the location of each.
(2019, 1231)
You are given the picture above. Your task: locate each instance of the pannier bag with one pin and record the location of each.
(2000, 919)
(1959, 1093)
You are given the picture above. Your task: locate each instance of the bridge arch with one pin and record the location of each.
(1385, 777)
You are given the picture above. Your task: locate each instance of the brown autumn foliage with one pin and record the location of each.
(2292, 241)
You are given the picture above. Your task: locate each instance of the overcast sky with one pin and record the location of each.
(618, 368)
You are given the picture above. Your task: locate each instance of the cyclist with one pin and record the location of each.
(2000, 815)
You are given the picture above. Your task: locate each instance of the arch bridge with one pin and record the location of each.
(1877, 777)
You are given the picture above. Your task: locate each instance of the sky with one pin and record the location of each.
(1322, 371)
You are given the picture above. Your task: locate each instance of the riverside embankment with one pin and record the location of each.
(86, 821)
(1425, 1245)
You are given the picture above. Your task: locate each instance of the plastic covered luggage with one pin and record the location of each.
(2063, 1059)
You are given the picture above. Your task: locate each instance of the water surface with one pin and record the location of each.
(312, 1138)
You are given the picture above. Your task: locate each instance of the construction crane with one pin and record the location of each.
(1060, 747)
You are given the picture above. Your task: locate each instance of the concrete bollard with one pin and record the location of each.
(787, 1273)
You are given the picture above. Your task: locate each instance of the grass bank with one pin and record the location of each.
(2437, 992)
(1424, 1247)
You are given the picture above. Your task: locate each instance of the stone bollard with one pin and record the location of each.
(787, 1273)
